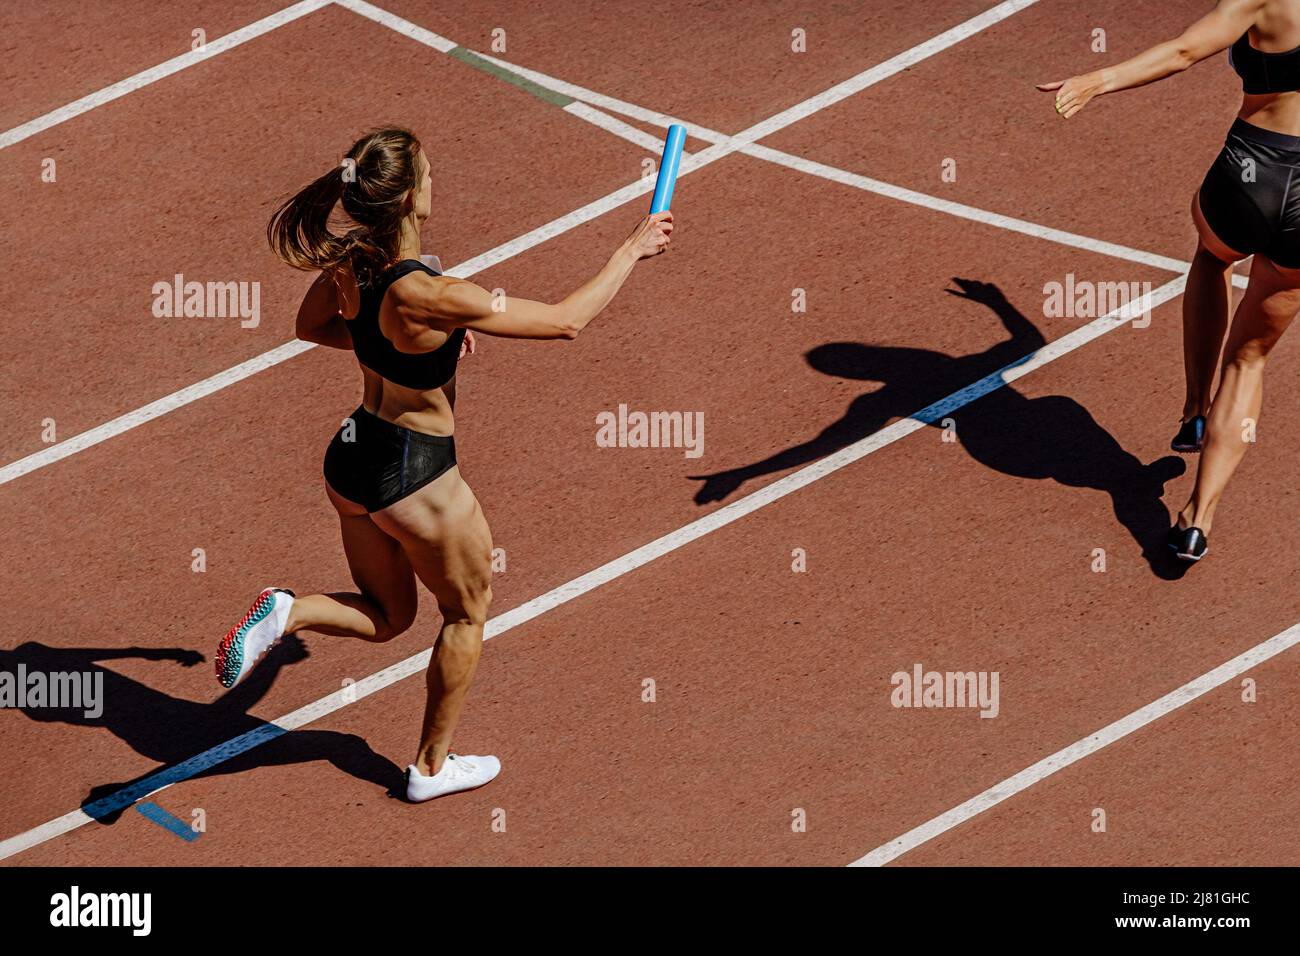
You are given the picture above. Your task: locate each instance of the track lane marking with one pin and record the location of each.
(400, 24)
(897, 847)
(597, 101)
(147, 413)
(612, 124)
(1112, 732)
(692, 531)
(155, 73)
(282, 353)
(126, 422)
(1089, 745)
(579, 586)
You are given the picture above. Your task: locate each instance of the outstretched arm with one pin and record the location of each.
(428, 307)
(1214, 32)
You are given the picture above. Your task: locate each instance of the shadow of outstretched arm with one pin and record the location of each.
(848, 429)
(1026, 338)
(905, 373)
(72, 658)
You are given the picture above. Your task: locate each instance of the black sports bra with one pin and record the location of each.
(424, 370)
(1262, 72)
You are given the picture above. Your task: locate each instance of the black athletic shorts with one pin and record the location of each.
(1251, 195)
(375, 463)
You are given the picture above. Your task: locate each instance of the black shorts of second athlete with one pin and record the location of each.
(1251, 196)
(376, 463)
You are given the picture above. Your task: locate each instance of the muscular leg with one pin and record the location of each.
(1271, 302)
(386, 603)
(445, 536)
(1205, 313)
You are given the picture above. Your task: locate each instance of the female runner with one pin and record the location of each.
(390, 472)
(1247, 205)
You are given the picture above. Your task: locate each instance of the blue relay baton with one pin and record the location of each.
(668, 168)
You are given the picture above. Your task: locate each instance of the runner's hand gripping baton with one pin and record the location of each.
(672, 158)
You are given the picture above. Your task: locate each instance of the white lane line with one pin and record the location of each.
(1087, 746)
(702, 526)
(610, 571)
(400, 24)
(592, 210)
(614, 105)
(612, 124)
(802, 110)
(147, 413)
(854, 84)
(539, 605)
(974, 214)
(587, 101)
(1120, 728)
(961, 210)
(569, 221)
(282, 353)
(156, 73)
(443, 44)
(890, 67)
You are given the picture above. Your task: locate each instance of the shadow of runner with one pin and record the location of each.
(1033, 438)
(177, 733)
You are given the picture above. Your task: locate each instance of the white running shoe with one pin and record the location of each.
(250, 640)
(457, 774)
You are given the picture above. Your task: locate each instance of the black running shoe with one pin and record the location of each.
(1190, 544)
(1191, 435)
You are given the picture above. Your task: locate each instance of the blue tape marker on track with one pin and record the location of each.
(672, 158)
(168, 822)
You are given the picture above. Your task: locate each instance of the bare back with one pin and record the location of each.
(422, 410)
(1276, 30)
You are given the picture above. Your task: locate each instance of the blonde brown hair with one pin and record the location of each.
(380, 171)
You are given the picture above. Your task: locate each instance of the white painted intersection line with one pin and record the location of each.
(1089, 745)
(586, 103)
(530, 609)
(147, 413)
(583, 95)
(867, 78)
(282, 353)
(697, 529)
(592, 210)
(610, 571)
(808, 107)
(400, 24)
(890, 67)
(616, 126)
(1113, 732)
(156, 73)
(445, 45)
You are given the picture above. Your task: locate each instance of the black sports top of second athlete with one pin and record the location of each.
(1262, 72)
(423, 370)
